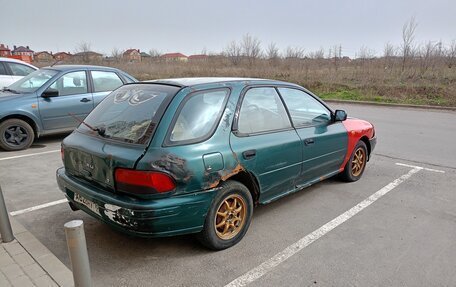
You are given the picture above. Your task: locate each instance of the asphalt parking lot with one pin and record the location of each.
(394, 227)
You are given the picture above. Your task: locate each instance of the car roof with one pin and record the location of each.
(3, 59)
(189, 82)
(72, 67)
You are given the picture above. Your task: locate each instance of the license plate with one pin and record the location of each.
(89, 204)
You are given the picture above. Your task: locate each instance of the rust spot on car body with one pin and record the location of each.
(225, 174)
(175, 165)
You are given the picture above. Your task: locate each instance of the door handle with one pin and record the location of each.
(248, 154)
(309, 141)
(85, 100)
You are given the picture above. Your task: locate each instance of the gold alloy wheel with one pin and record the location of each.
(358, 162)
(230, 217)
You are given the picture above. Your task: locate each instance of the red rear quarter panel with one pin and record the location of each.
(356, 129)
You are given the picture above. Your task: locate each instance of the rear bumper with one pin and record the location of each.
(180, 214)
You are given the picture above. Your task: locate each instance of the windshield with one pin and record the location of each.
(129, 114)
(32, 81)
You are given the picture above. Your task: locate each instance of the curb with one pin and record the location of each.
(43, 257)
(425, 107)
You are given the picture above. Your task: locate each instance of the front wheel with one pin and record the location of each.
(228, 218)
(16, 134)
(355, 166)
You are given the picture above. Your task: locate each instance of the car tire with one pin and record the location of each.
(228, 218)
(16, 134)
(355, 166)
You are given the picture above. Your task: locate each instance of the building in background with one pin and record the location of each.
(132, 55)
(23, 52)
(174, 57)
(88, 56)
(145, 56)
(43, 56)
(4, 51)
(62, 56)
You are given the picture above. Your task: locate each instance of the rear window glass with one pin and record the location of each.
(129, 114)
(198, 116)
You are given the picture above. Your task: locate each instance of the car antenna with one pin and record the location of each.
(100, 131)
(56, 62)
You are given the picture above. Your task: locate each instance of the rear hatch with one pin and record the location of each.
(116, 133)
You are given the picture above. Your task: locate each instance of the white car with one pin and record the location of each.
(12, 70)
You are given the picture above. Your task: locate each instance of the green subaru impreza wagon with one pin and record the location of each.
(195, 155)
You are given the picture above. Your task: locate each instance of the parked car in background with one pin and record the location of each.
(12, 70)
(53, 100)
(195, 155)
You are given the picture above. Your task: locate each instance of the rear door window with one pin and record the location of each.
(105, 81)
(20, 70)
(2, 69)
(130, 113)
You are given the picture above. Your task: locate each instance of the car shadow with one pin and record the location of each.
(42, 142)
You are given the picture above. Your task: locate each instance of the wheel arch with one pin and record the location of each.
(26, 119)
(250, 181)
(367, 142)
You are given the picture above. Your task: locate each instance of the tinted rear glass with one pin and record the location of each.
(130, 113)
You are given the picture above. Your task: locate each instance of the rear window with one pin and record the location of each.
(130, 113)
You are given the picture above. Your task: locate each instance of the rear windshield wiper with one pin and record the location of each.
(5, 89)
(101, 131)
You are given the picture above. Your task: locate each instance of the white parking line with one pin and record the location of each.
(33, 208)
(291, 250)
(425, 168)
(30, 154)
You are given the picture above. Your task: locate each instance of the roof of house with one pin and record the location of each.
(62, 53)
(144, 54)
(129, 51)
(22, 49)
(42, 52)
(173, 55)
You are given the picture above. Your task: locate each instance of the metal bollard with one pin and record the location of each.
(77, 248)
(5, 224)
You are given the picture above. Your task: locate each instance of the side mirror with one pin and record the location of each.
(50, 93)
(340, 116)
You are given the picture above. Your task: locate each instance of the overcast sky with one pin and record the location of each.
(191, 26)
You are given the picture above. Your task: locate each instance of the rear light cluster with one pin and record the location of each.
(62, 153)
(143, 182)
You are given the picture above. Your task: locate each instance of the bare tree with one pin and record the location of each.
(84, 48)
(234, 52)
(337, 52)
(318, 54)
(364, 55)
(389, 52)
(408, 37)
(294, 53)
(154, 53)
(427, 55)
(450, 55)
(116, 54)
(251, 48)
(272, 52)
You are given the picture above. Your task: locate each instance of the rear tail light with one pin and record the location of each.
(143, 182)
(62, 153)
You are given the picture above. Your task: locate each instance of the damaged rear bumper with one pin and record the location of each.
(179, 214)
